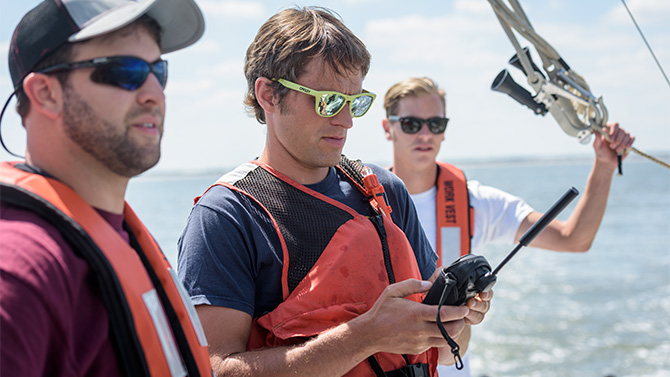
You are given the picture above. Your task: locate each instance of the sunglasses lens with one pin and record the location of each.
(161, 72)
(437, 125)
(360, 105)
(330, 104)
(410, 125)
(129, 73)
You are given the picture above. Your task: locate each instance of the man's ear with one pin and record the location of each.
(265, 95)
(45, 94)
(386, 123)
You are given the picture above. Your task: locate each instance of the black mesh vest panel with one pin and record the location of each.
(306, 223)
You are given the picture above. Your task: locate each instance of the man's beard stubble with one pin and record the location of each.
(108, 143)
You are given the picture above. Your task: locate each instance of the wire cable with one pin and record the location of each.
(645, 42)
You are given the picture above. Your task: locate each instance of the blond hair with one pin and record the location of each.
(412, 87)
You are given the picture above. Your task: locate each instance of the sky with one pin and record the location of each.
(457, 43)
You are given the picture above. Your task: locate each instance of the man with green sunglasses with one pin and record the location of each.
(297, 262)
(328, 103)
(476, 215)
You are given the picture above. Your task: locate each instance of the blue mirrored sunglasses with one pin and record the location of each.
(127, 72)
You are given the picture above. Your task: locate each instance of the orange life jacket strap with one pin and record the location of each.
(453, 207)
(134, 288)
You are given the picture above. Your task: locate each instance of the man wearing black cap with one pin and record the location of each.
(85, 289)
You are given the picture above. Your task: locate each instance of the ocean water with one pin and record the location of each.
(601, 313)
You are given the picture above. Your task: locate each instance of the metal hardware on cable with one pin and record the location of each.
(559, 90)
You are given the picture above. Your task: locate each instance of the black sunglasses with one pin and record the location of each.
(412, 125)
(127, 72)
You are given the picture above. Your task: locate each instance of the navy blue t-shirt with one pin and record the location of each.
(230, 254)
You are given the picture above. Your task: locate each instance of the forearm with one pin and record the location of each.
(332, 353)
(393, 325)
(578, 232)
(582, 225)
(581, 228)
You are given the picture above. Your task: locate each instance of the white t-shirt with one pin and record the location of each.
(451, 371)
(497, 218)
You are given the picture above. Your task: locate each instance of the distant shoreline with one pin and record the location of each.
(465, 163)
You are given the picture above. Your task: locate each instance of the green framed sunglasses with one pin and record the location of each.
(328, 103)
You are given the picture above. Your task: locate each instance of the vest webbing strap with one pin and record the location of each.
(126, 344)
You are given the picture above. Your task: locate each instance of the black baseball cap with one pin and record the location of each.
(54, 23)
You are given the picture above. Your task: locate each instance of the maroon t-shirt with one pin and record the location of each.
(52, 320)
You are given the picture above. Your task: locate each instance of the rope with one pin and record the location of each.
(633, 149)
(656, 160)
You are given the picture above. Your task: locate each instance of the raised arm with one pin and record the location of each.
(576, 234)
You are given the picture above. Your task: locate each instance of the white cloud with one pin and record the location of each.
(246, 10)
(463, 38)
(4, 48)
(556, 4)
(205, 45)
(231, 69)
(472, 6)
(465, 48)
(646, 12)
(458, 43)
(358, 2)
(188, 87)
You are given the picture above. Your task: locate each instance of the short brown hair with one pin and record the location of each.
(289, 40)
(412, 87)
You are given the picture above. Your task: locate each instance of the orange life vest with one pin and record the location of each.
(455, 216)
(153, 325)
(337, 280)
